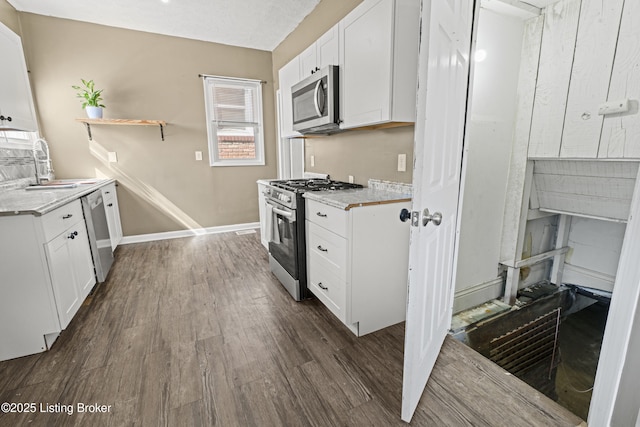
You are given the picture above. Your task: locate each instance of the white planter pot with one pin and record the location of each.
(94, 112)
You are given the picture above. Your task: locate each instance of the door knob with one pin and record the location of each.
(427, 217)
(405, 215)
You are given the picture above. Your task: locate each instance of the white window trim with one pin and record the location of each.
(211, 132)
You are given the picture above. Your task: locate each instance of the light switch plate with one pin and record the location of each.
(112, 156)
(198, 155)
(350, 179)
(313, 161)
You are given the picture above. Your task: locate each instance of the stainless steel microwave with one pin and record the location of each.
(315, 103)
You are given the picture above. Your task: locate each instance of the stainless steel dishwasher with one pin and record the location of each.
(98, 230)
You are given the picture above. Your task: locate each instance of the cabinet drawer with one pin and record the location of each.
(329, 289)
(333, 219)
(327, 249)
(58, 220)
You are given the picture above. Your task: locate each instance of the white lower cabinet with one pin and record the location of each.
(112, 210)
(71, 270)
(357, 263)
(47, 272)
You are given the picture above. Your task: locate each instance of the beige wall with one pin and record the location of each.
(362, 154)
(9, 17)
(145, 76)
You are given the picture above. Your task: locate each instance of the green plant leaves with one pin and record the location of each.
(88, 94)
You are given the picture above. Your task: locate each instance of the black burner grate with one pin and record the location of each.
(313, 184)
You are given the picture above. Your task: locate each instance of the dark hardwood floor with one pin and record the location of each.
(197, 332)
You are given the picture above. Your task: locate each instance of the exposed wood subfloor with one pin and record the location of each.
(197, 332)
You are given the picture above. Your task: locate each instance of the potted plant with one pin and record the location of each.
(91, 98)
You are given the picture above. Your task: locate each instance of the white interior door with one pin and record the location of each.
(443, 70)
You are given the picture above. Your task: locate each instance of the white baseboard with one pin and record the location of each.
(141, 238)
(576, 275)
(478, 294)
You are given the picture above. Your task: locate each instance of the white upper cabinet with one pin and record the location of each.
(288, 76)
(16, 104)
(589, 56)
(378, 63)
(376, 49)
(320, 54)
(325, 51)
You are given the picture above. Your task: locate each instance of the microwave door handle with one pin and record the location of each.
(315, 98)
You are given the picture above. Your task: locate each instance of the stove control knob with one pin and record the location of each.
(287, 199)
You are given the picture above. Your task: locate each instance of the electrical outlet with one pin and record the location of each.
(112, 156)
(350, 179)
(402, 162)
(313, 161)
(198, 155)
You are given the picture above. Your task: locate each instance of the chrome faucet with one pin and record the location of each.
(41, 145)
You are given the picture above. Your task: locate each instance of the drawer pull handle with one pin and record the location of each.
(110, 204)
(72, 235)
(321, 215)
(67, 216)
(321, 249)
(324, 288)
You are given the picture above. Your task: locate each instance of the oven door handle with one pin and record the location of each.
(288, 215)
(283, 213)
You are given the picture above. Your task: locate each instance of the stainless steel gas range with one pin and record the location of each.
(285, 218)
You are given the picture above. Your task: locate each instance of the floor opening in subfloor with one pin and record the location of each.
(551, 340)
(580, 340)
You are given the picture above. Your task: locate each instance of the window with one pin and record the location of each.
(234, 121)
(17, 139)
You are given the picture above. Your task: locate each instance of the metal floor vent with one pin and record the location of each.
(243, 232)
(533, 343)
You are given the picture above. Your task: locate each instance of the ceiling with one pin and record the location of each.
(257, 24)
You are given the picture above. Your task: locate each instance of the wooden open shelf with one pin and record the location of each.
(128, 122)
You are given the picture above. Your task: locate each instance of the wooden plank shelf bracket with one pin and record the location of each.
(129, 122)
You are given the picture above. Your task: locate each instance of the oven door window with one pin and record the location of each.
(283, 245)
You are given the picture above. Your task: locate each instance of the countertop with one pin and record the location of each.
(18, 201)
(357, 197)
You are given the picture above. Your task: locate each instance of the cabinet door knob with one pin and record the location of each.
(110, 204)
(321, 215)
(321, 249)
(72, 235)
(67, 216)
(324, 288)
